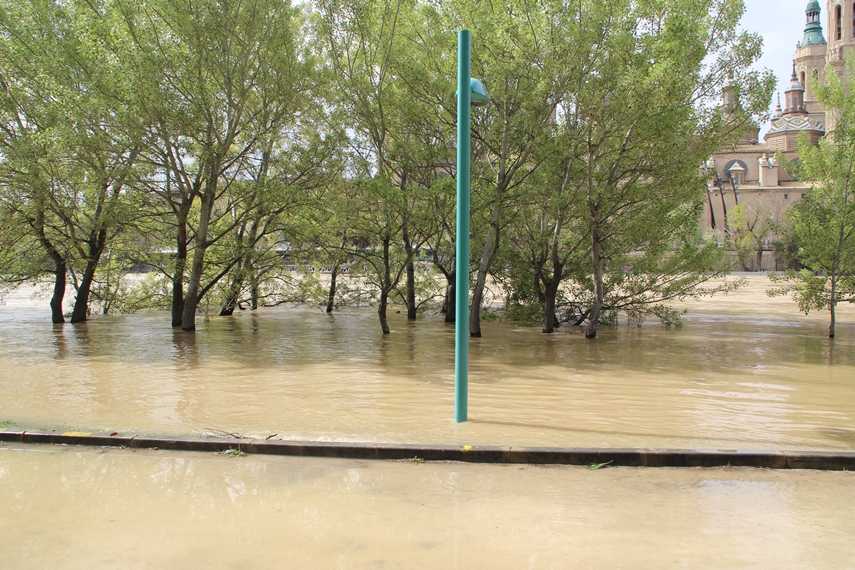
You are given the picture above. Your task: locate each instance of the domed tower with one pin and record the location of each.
(811, 56)
(795, 96)
(784, 134)
(730, 101)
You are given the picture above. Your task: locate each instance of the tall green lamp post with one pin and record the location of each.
(470, 92)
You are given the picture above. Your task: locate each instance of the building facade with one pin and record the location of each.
(749, 173)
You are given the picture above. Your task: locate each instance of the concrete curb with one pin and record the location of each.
(831, 461)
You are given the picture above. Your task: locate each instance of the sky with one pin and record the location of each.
(782, 25)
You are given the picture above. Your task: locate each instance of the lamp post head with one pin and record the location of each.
(477, 93)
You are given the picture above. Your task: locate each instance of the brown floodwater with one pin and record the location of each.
(92, 508)
(744, 372)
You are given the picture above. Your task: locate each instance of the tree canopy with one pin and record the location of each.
(824, 224)
(233, 148)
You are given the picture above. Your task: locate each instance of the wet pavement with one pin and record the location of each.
(80, 507)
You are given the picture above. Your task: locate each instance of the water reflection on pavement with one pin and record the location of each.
(93, 508)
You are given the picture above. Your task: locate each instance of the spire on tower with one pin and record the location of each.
(795, 84)
(795, 95)
(813, 28)
(778, 111)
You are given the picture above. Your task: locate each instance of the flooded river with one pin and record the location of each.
(89, 508)
(744, 372)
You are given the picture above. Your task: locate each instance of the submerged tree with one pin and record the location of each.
(213, 82)
(824, 225)
(370, 50)
(751, 226)
(513, 55)
(585, 163)
(648, 114)
(619, 180)
(69, 146)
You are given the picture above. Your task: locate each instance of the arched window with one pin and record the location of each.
(735, 171)
(838, 22)
(803, 79)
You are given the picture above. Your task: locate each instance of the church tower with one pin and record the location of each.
(811, 55)
(794, 119)
(841, 34)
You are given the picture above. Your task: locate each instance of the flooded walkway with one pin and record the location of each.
(93, 508)
(745, 372)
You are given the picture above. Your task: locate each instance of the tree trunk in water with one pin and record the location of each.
(233, 295)
(385, 288)
(449, 308)
(451, 298)
(59, 272)
(487, 254)
(229, 307)
(178, 294)
(475, 308)
(597, 307)
(381, 311)
(191, 299)
(548, 304)
(411, 290)
(833, 306)
(231, 301)
(58, 292)
(178, 276)
(96, 243)
(331, 296)
(81, 303)
(411, 275)
(253, 286)
(334, 274)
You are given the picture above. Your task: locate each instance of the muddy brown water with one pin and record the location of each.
(744, 372)
(91, 508)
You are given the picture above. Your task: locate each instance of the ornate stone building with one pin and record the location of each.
(749, 173)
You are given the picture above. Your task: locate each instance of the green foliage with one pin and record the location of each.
(70, 147)
(208, 140)
(811, 291)
(429, 292)
(309, 290)
(786, 246)
(824, 225)
(152, 292)
(750, 226)
(617, 179)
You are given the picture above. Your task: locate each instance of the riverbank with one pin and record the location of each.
(750, 300)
